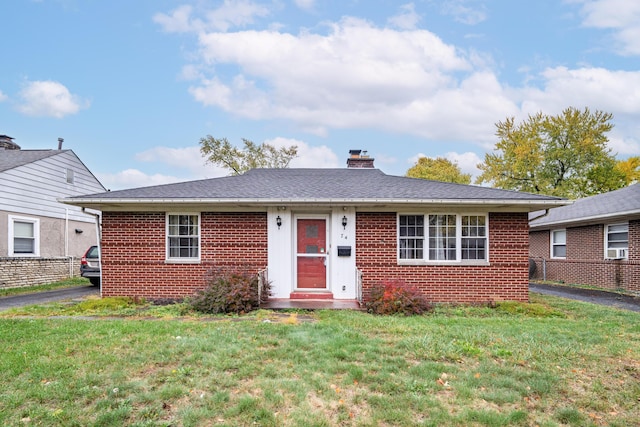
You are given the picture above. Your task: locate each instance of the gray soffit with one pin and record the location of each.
(602, 207)
(279, 186)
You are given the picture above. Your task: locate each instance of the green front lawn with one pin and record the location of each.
(552, 363)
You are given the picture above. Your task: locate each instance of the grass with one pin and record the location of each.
(551, 363)
(73, 281)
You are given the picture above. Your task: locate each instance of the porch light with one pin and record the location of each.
(344, 222)
(278, 222)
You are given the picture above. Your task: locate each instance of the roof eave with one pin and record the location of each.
(100, 203)
(586, 220)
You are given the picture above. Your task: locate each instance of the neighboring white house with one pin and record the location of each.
(41, 240)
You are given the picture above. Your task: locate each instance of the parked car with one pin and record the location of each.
(90, 265)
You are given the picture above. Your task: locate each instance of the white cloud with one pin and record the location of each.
(188, 164)
(186, 159)
(468, 12)
(305, 4)
(49, 99)
(620, 16)
(408, 19)
(468, 162)
(308, 156)
(357, 75)
(602, 89)
(231, 14)
(133, 178)
(3, 97)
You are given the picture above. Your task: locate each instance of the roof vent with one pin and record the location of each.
(6, 143)
(359, 159)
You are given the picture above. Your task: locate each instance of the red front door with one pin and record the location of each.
(311, 253)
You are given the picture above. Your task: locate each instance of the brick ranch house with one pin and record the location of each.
(595, 241)
(318, 233)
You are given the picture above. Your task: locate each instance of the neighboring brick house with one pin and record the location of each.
(320, 233)
(41, 239)
(595, 241)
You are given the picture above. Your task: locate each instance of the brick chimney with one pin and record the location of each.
(6, 143)
(359, 159)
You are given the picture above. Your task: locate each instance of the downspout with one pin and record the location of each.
(99, 235)
(66, 241)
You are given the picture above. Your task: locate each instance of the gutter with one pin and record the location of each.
(546, 212)
(280, 201)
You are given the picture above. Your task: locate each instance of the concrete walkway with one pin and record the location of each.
(48, 296)
(611, 299)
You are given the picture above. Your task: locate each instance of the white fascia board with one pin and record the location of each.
(98, 203)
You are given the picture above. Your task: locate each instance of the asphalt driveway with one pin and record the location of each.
(611, 299)
(75, 292)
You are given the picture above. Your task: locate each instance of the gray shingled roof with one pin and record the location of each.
(619, 203)
(312, 185)
(10, 159)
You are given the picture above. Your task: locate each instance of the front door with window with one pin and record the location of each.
(311, 253)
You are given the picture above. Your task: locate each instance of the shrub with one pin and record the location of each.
(396, 297)
(229, 291)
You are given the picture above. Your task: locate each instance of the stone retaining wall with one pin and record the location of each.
(26, 271)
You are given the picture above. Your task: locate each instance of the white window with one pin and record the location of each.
(411, 236)
(617, 241)
(559, 244)
(442, 237)
(474, 237)
(183, 237)
(70, 176)
(24, 236)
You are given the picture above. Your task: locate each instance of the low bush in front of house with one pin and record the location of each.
(228, 291)
(396, 297)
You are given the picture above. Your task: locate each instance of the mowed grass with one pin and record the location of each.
(551, 363)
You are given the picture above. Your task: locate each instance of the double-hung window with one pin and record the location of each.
(617, 241)
(183, 237)
(559, 244)
(24, 236)
(411, 236)
(442, 238)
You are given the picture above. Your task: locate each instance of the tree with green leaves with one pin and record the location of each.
(239, 160)
(438, 169)
(564, 155)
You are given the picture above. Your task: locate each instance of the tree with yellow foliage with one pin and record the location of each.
(564, 155)
(438, 169)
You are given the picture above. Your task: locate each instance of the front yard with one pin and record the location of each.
(555, 362)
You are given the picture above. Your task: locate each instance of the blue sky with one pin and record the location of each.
(132, 86)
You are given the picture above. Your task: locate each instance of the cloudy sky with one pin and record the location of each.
(132, 86)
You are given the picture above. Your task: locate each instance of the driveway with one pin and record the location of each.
(611, 299)
(48, 296)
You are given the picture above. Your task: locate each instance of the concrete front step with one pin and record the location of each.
(311, 304)
(311, 295)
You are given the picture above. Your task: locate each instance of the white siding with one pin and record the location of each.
(33, 189)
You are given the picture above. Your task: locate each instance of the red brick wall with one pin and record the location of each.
(585, 263)
(133, 252)
(506, 278)
(539, 244)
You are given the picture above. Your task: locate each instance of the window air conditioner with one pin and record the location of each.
(616, 253)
